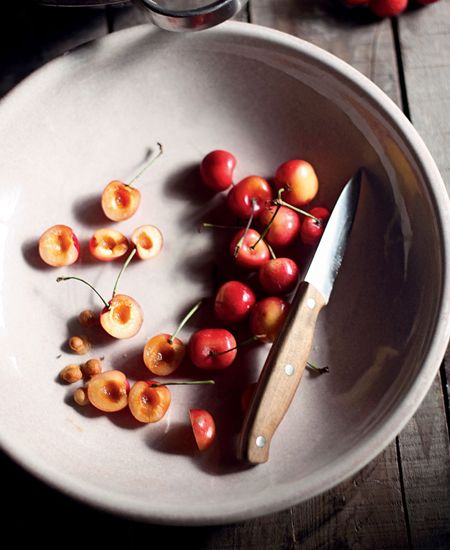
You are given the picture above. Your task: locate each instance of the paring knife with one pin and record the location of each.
(287, 358)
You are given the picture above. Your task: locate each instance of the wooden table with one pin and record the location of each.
(402, 498)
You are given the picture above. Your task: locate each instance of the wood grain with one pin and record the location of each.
(424, 448)
(276, 385)
(353, 35)
(369, 46)
(365, 512)
(424, 34)
(424, 37)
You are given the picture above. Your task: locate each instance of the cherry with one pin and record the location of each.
(388, 8)
(108, 391)
(148, 241)
(249, 196)
(299, 181)
(283, 225)
(121, 200)
(233, 302)
(312, 229)
(252, 252)
(267, 318)
(216, 170)
(164, 353)
(148, 401)
(278, 276)
(122, 316)
(108, 244)
(211, 348)
(59, 246)
(204, 428)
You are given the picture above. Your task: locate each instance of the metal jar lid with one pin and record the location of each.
(192, 19)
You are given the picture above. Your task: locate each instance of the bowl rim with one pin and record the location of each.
(379, 436)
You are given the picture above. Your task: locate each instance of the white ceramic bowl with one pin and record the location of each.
(90, 117)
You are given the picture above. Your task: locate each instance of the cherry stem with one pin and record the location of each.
(249, 223)
(239, 345)
(59, 279)
(272, 253)
(182, 383)
(185, 320)
(125, 264)
(217, 226)
(268, 226)
(316, 370)
(151, 161)
(281, 202)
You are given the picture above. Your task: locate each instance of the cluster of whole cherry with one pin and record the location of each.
(279, 216)
(278, 212)
(385, 8)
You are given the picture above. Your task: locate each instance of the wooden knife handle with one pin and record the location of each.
(281, 375)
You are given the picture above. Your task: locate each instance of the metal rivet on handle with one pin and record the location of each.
(289, 369)
(311, 303)
(260, 441)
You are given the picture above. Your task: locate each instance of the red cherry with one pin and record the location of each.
(299, 180)
(267, 318)
(388, 8)
(311, 230)
(207, 347)
(204, 428)
(285, 225)
(233, 302)
(252, 190)
(278, 276)
(250, 254)
(216, 170)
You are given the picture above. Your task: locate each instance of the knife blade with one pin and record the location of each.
(288, 355)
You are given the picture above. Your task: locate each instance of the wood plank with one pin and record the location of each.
(352, 35)
(424, 35)
(425, 41)
(424, 450)
(367, 511)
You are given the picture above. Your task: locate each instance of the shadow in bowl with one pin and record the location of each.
(178, 440)
(186, 184)
(30, 252)
(88, 211)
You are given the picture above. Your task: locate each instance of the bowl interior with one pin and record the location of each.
(92, 117)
